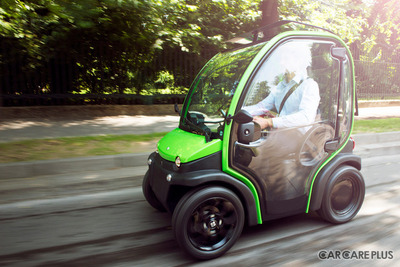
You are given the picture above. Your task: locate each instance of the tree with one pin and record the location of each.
(343, 17)
(103, 42)
(381, 49)
(382, 31)
(269, 10)
(110, 45)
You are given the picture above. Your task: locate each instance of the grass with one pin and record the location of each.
(43, 149)
(377, 125)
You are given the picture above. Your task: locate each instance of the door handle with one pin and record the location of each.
(253, 146)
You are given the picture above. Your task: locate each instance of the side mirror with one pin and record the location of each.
(241, 117)
(177, 109)
(248, 131)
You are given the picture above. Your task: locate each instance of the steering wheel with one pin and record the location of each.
(311, 149)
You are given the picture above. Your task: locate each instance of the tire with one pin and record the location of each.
(208, 222)
(344, 195)
(149, 194)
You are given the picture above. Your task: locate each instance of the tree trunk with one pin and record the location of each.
(269, 10)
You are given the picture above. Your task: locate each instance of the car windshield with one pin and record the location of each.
(210, 94)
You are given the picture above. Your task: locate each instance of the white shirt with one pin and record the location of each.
(300, 108)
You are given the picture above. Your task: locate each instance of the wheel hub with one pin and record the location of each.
(342, 196)
(212, 224)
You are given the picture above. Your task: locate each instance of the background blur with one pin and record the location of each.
(75, 52)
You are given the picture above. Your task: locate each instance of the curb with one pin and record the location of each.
(64, 166)
(382, 149)
(367, 145)
(377, 144)
(376, 138)
(377, 103)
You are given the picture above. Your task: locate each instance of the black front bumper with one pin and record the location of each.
(169, 182)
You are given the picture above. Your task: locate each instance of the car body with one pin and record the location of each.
(219, 170)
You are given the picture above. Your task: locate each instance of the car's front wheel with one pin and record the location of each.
(208, 222)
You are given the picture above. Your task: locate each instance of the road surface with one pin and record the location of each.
(77, 225)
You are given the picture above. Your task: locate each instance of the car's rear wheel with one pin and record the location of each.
(344, 195)
(208, 222)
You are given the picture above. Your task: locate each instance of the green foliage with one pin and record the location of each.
(109, 46)
(377, 52)
(117, 46)
(164, 80)
(203, 24)
(344, 17)
(382, 32)
(371, 26)
(164, 84)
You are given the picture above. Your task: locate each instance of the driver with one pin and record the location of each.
(296, 99)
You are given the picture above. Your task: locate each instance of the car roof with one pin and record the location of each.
(267, 32)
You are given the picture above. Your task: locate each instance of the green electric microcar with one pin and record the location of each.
(264, 133)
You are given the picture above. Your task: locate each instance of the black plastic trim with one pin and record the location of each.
(212, 161)
(326, 172)
(348, 148)
(284, 208)
(193, 175)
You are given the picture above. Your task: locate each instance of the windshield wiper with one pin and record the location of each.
(201, 130)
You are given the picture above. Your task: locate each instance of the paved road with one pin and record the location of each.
(37, 128)
(95, 225)
(23, 129)
(100, 218)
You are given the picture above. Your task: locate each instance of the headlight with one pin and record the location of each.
(178, 162)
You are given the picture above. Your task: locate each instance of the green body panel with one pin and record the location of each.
(187, 146)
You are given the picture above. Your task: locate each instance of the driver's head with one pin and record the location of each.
(295, 58)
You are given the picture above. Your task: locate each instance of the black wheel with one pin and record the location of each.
(208, 222)
(149, 194)
(344, 195)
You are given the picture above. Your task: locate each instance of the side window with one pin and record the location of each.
(296, 88)
(346, 105)
(325, 71)
(311, 63)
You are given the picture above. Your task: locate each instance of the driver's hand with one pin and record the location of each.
(263, 122)
(268, 114)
